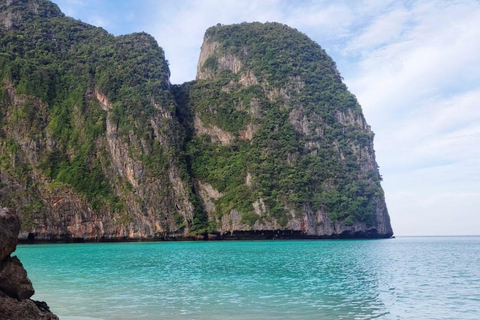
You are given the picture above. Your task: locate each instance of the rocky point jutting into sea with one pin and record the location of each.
(97, 145)
(15, 286)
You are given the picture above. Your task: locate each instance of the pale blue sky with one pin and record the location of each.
(413, 65)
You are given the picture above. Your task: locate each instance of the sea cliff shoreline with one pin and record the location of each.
(230, 236)
(107, 149)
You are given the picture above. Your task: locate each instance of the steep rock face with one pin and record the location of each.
(89, 143)
(95, 144)
(300, 154)
(15, 286)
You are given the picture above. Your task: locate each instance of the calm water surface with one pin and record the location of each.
(403, 278)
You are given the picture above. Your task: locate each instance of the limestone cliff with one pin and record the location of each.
(278, 142)
(97, 145)
(15, 286)
(89, 142)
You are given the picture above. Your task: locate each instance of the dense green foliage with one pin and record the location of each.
(60, 63)
(299, 137)
(287, 174)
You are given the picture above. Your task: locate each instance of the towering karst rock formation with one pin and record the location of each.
(278, 142)
(90, 146)
(96, 144)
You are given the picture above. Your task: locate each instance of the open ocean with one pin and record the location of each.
(403, 278)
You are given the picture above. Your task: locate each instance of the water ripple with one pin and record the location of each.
(405, 278)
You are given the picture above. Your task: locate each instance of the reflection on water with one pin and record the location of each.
(405, 278)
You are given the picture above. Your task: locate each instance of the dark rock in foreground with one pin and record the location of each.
(14, 280)
(9, 228)
(15, 286)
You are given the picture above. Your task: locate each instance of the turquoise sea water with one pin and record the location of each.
(403, 278)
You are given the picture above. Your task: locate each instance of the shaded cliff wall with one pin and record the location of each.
(89, 143)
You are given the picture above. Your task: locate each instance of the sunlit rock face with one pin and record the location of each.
(97, 145)
(279, 139)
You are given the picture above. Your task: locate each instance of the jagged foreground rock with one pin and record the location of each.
(15, 286)
(95, 144)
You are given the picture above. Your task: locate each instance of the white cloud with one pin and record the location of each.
(418, 86)
(98, 21)
(70, 7)
(384, 30)
(181, 31)
(331, 20)
(431, 58)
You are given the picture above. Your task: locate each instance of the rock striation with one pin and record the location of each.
(89, 142)
(299, 156)
(15, 286)
(97, 145)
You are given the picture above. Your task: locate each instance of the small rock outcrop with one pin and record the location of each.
(9, 228)
(15, 286)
